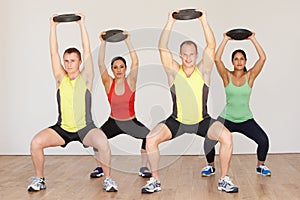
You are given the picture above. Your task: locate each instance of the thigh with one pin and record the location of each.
(174, 127)
(204, 125)
(81, 134)
(252, 130)
(95, 138)
(111, 128)
(48, 138)
(160, 133)
(217, 131)
(135, 129)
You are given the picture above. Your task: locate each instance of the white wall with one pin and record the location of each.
(28, 102)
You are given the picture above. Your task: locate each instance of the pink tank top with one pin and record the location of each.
(122, 106)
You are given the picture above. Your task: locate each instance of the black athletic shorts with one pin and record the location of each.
(177, 128)
(132, 127)
(73, 136)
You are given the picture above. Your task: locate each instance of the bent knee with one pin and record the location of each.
(264, 142)
(36, 143)
(226, 137)
(151, 140)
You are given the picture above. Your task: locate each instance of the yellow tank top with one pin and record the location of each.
(189, 95)
(74, 104)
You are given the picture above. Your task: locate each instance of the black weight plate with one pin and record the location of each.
(239, 34)
(186, 14)
(66, 18)
(114, 35)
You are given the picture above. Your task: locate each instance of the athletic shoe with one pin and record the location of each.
(97, 173)
(225, 184)
(145, 172)
(37, 184)
(152, 185)
(208, 170)
(109, 185)
(263, 170)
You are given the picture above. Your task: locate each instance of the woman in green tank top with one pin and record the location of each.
(237, 116)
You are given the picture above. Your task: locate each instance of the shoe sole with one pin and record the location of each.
(264, 174)
(228, 191)
(205, 175)
(150, 191)
(96, 176)
(112, 189)
(147, 175)
(31, 189)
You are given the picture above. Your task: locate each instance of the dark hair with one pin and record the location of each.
(188, 42)
(239, 51)
(73, 50)
(118, 58)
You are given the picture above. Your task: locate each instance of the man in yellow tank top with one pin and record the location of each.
(74, 107)
(189, 84)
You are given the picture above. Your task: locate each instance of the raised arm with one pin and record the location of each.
(207, 61)
(87, 72)
(106, 78)
(170, 65)
(222, 70)
(57, 68)
(132, 76)
(256, 69)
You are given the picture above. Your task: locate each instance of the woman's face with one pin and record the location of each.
(239, 61)
(118, 69)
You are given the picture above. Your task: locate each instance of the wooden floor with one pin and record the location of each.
(67, 177)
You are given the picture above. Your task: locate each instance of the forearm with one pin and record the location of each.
(209, 36)
(101, 57)
(220, 50)
(53, 40)
(85, 40)
(165, 35)
(133, 55)
(259, 49)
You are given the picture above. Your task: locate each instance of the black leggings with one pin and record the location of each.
(248, 128)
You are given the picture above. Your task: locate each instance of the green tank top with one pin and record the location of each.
(237, 102)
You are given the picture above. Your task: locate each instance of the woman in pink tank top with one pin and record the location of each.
(120, 91)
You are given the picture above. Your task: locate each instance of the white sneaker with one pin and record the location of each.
(225, 184)
(109, 185)
(152, 185)
(37, 184)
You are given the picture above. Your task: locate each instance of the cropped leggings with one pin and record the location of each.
(248, 128)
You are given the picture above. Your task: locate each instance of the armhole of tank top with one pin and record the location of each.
(247, 76)
(62, 80)
(247, 80)
(230, 76)
(112, 86)
(127, 85)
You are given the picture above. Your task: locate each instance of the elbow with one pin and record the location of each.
(217, 60)
(101, 65)
(162, 46)
(263, 59)
(135, 64)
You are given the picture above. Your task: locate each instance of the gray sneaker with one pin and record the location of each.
(109, 185)
(37, 184)
(225, 184)
(152, 185)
